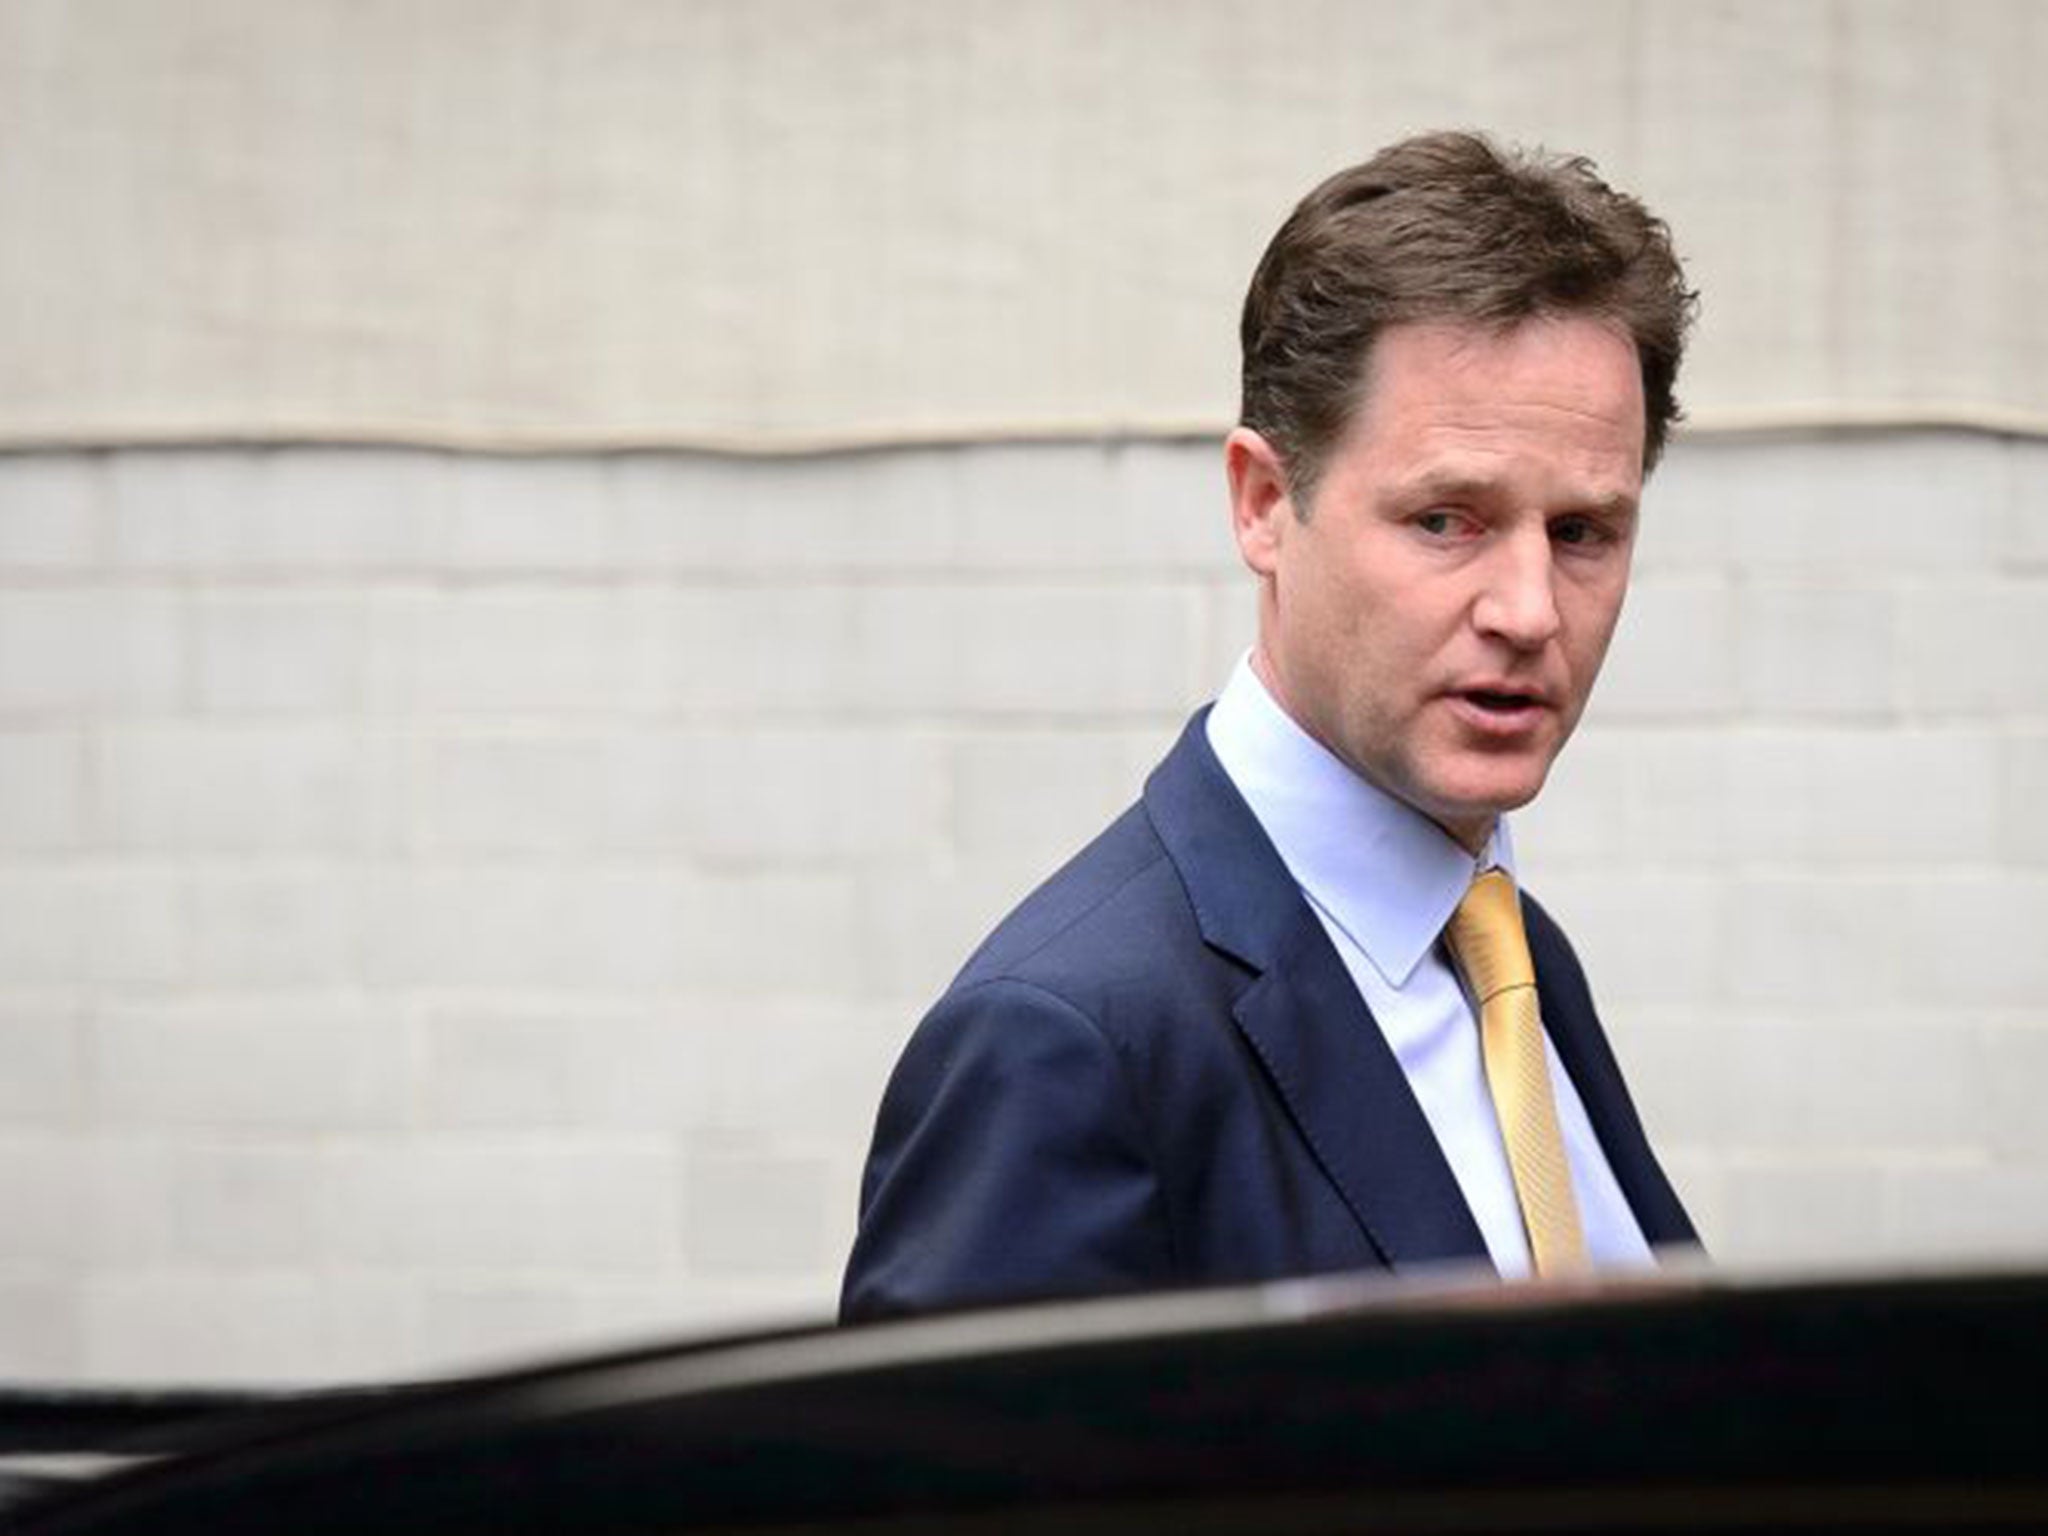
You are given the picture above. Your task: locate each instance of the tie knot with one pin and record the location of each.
(1487, 939)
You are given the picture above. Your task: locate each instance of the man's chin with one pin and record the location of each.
(1468, 804)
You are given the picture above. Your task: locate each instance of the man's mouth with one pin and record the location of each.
(1501, 701)
(1503, 716)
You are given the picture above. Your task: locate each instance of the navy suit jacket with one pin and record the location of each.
(1157, 1072)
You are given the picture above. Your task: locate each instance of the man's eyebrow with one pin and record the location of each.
(1613, 504)
(1443, 485)
(1456, 485)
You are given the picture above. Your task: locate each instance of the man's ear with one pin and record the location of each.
(1260, 506)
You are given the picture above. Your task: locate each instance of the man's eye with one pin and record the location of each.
(1578, 530)
(1436, 524)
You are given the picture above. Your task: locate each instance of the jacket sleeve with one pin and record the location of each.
(1009, 1163)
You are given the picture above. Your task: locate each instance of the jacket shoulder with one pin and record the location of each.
(1111, 911)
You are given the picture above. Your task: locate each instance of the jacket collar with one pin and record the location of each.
(1368, 862)
(1301, 1014)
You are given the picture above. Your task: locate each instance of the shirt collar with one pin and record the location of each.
(1379, 869)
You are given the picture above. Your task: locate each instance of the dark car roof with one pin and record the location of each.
(1901, 1404)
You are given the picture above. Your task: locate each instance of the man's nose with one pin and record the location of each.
(1518, 602)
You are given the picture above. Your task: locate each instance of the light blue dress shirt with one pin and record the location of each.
(1384, 880)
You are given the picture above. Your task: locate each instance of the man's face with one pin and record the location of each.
(1438, 617)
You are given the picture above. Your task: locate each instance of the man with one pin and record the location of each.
(1277, 1019)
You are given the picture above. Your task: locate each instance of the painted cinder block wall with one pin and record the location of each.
(453, 907)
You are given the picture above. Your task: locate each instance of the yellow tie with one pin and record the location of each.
(1491, 949)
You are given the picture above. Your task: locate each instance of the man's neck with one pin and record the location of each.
(1472, 835)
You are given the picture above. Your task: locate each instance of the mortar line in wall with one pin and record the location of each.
(197, 581)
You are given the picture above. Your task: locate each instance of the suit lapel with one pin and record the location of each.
(1302, 1015)
(1352, 1103)
(1583, 1050)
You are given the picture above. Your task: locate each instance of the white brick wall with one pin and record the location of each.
(454, 906)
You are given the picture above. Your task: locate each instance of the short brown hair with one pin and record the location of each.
(1447, 227)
